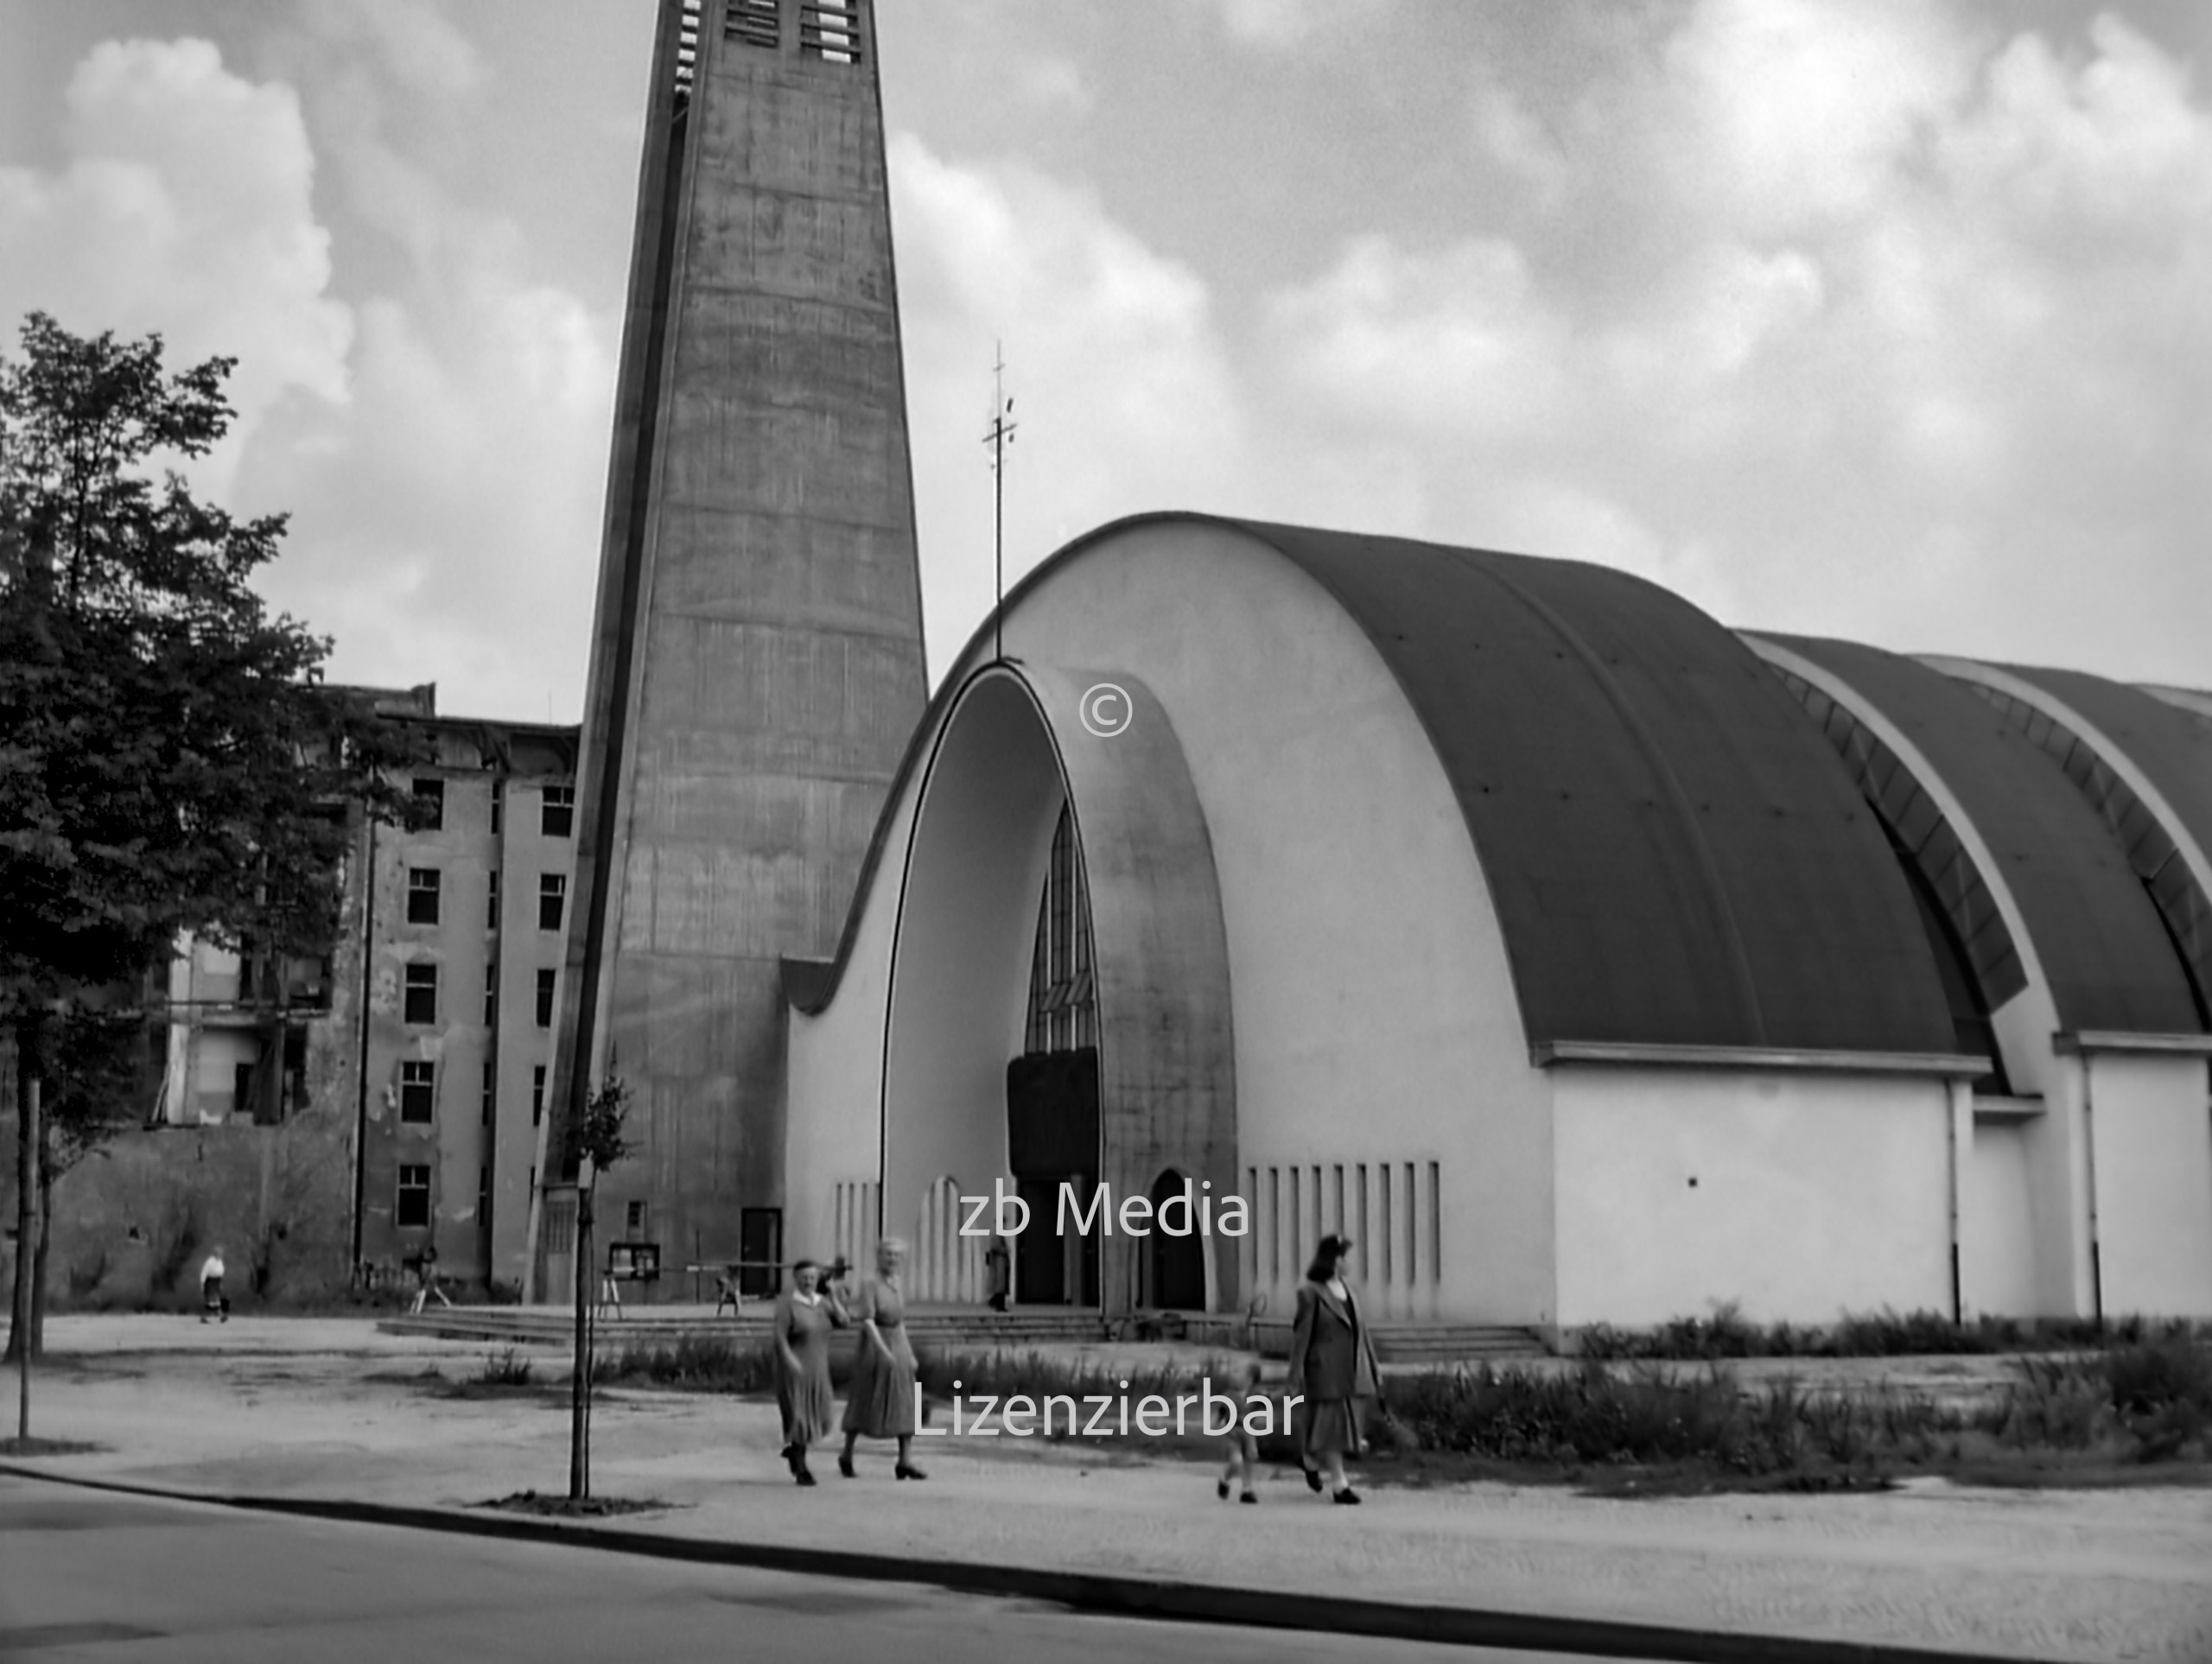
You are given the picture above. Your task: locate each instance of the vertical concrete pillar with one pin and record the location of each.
(757, 655)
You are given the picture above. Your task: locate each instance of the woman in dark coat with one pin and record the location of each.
(804, 1318)
(1332, 1364)
(882, 1402)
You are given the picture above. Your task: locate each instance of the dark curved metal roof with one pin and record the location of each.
(2109, 959)
(1674, 856)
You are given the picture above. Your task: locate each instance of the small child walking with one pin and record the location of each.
(1243, 1448)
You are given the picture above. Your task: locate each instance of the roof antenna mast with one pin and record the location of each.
(999, 436)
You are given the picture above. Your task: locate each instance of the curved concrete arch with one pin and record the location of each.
(2153, 795)
(1011, 748)
(2024, 1018)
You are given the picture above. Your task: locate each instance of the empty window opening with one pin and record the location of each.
(538, 1094)
(545, 998)
(556, 815)
(421, 1002)
(422, 895)
(418, 1092)
(430, 805)
(413, 1206)
(552, 891)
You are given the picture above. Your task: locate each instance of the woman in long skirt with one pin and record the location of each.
(882, 1402)
(804, 1318)
(1332, 1364)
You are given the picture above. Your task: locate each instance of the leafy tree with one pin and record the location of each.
(599, 1144)
(170, 762)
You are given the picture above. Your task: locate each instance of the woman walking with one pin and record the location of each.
(882, 1401)
(804, 1318)
(1333, 1364)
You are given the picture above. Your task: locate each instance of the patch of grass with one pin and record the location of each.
(2068, 1419)
(505, 1369)
(1727, 1334)
(583, 1507)
(35, 1445)
(700, 1363)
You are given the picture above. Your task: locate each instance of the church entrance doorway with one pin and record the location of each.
(1176, 1273)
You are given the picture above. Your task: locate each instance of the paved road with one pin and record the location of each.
(94, 1577)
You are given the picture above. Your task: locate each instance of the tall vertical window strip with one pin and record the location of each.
(1275, 1225)
(491, 1090)
(538, 1094)
(492, 904)
(483, 1199)
(545, 997)
(1412, 1232)
(422, 895)
(1063, 990)
(552, 891)
(491, 993)
(499, 804)
(430, 804)
(1359, 1231)
(1435, 1223)
(1382, 1232)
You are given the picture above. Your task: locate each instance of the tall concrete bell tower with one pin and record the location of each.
(756, 663)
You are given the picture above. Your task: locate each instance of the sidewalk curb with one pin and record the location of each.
(1089, 1591)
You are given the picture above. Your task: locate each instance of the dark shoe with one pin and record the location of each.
(1248, 1496)
(1313, 1480)
(1347, 1495)
(906, 1472)
(1221, 1488)
(845, 1467)
(800, 1473)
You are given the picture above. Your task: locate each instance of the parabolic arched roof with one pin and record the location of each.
(2108, 961)
(1674, 856)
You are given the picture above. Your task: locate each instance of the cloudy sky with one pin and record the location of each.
(1892, 321)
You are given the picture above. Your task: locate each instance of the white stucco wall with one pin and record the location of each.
(2056, 1143)
(2150, 1134)
(834, 1131)
(1997, 1243)
(1814, 1194)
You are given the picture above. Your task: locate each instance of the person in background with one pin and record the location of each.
(211, 1298)
(998, 1270)
(426, 1272)
(1333, 1364)
(882, 1401)
(1243, 1448)
(804, 1318)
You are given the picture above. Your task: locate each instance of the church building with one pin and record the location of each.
(1585, 961)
